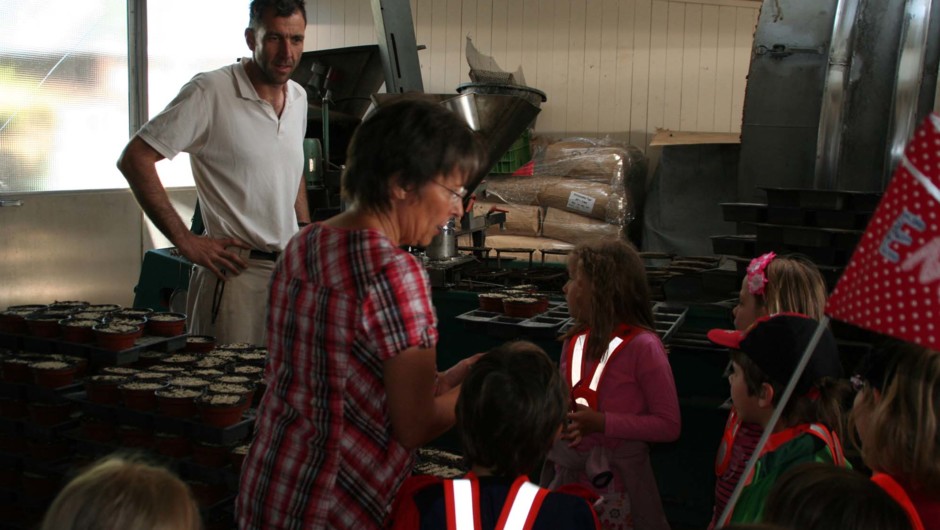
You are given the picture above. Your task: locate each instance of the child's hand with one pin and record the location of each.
(582, 422)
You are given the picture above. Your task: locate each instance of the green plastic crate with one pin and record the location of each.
(518, 154)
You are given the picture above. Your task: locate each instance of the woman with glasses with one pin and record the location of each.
(352, 381)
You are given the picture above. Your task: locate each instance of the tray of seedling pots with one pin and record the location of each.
(540, 322)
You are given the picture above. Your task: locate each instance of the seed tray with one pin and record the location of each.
(668, 319)
(500, 325)
(788, 216)
(41, 394)
(741, 211)
(48, 434)
(821, 237)
(91, 352)
(858, 201)
(846, 220)
(193, 429)
(734, 245)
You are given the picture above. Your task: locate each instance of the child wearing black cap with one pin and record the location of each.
(764, 358)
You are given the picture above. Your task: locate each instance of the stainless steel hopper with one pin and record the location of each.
(500, 118)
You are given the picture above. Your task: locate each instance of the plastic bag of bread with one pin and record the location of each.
(576, 229)
(591, 199)
(521, 220)
(513, 189)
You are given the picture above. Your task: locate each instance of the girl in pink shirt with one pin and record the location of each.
(622, 391)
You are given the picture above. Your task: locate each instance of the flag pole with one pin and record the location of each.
(774, 418)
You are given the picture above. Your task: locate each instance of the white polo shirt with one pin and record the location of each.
(247, 162)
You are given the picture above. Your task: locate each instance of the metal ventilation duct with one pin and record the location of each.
(835, 88)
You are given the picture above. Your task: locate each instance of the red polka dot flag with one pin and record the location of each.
(892, 283)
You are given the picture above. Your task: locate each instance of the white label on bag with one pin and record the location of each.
(580, 202)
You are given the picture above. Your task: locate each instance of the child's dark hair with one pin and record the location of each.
(819, 496)
(619, 291)
(510, 407)
(827, 408)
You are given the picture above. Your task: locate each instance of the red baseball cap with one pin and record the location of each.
(776, 344)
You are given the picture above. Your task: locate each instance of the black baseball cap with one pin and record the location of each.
(776, 344)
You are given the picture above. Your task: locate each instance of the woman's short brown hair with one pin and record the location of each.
(408, 143)
(124, 492)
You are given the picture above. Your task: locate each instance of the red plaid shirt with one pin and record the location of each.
(323, 456)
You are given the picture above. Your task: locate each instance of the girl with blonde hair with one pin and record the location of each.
(123, 492)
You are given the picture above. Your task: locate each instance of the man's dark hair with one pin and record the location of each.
(510, 408)
(282, 8)
(408, 142)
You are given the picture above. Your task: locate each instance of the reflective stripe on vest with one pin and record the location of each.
(899, 494)
(576, 363)
(723, 456)
(462, 504)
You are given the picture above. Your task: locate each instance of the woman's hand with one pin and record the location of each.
(582, 422)
(454, 376)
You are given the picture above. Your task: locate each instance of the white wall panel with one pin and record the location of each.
(619, 67)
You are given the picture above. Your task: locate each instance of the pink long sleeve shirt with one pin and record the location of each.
(637, 394)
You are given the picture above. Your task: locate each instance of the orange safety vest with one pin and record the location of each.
(779, 439)
(723, 457)
(899, 494)
(586, 394)
(462, 504)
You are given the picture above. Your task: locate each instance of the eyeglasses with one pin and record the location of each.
(456, 195)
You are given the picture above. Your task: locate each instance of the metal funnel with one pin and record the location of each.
(500, 119)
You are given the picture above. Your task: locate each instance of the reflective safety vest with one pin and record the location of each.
(586, 393)
(816, 429)
(897, 492)
(462, 504)
(785, 436)
(723, 457)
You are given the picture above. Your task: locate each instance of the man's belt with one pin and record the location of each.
(262, 255)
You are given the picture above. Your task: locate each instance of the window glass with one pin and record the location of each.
(185, 37)
(64, 89)
(63, 94)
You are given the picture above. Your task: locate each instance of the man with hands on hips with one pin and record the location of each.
(243, 126)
